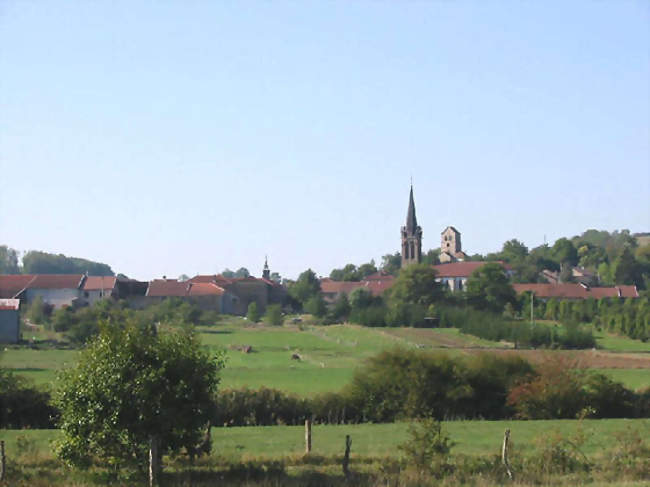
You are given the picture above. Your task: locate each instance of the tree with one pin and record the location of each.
(305, 287)
(242, 272)
(626, 269)
(129, 385)
(8, 260)
(342, 308)
(416, 284)
(391, 263)
(273, 315)
(488, 288)
(514, 251)
(227, 273)
(316, 306)
(366, 269)
(253, 314)
(564, 252)
(183, 278)
(432, 257)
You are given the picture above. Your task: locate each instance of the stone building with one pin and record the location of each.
(411, 236)
(450, 247)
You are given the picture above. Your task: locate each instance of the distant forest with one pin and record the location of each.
(37, 262)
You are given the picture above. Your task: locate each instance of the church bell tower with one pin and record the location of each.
(411, 236)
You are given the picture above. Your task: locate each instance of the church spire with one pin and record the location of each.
(411, 220)
(411, 236)
(266, 272)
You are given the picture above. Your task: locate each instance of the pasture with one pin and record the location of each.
(380, 440)
(329, 355)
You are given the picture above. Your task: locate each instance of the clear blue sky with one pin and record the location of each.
(186, 137)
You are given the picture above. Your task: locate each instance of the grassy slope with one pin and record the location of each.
(471, 437)
(330, 354)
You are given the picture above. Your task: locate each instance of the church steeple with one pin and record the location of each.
(266, 272)
(411, 236)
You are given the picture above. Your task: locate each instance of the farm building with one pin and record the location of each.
(576, 291)
(9, 320)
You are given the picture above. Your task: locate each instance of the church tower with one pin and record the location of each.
(266, 272)
(411, 236)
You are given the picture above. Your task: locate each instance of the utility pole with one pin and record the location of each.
(532, 307)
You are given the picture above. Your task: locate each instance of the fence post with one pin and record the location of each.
(3, 462)
(307, 436)
(154, 465)
(504, 453)
(346, 456)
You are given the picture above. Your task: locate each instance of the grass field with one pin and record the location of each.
(329, 355)
(471, 437)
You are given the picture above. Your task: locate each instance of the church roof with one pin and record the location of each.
(411, 220)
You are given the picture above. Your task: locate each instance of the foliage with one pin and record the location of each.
(488, 288)
(350, 272)
(38, 312)
(315, 306)
(22, 405)
(8, 260)
(261, 407)
(391, 263)
(130, 384)
(416, 284)
(428, 447)
(273, 315)
(36, 262)
(253, 314)
(341, 309)
(305, 287)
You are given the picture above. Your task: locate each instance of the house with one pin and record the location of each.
(574, 291)
(56, 290)
(455, 274)
(99, 287)
(207, 296)
(9, 320)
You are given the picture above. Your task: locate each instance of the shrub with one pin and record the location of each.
(428, 447)
(274, 315)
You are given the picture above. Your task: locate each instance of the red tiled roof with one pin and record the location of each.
(462, 269)
(167, 287)
(12, 284)
(378, 276)
(576, 291)
(94, 283)
(205, 289)
(172, 287)
(56, 281)
(9, 304)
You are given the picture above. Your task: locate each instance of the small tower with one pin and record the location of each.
(411, 236)
(266, 273)
(450, 247)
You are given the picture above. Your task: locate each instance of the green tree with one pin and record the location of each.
(488, 288)
(626, 269)
(391, 263)
(8, 260)
(305, 287)
(37, 311)
(367, 269)
(341, 309)
(514, 251)
(242, 272)
(129, 385)
(253, 314)
(416, 284)
(316, 306)
(273, 315)
(564, 252)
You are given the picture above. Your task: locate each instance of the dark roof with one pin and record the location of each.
(450, 227)
(411, 220)
(375, 286)
(576, 291)
(462, 269)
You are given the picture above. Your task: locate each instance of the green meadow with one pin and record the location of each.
(470, 437)
(328, 355)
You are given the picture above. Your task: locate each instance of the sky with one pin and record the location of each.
(165, 138)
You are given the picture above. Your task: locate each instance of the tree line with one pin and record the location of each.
(37, 262)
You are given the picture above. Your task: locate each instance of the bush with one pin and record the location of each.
(253, 314)
(22, 405)
(428, 447)
(274, 315)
